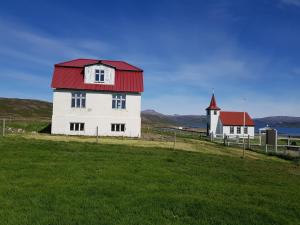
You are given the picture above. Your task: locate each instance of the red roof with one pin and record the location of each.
(70, 75)
(119, 65)
(235, 119)
(213, 104)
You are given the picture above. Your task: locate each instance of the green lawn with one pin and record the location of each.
(52, 182)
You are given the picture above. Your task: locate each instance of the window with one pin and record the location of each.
(118, 127)
(232, 130)
(76, 126)
(238, 130)
(99, 76)
(245, 130)
(78, 100)
(118, 101)
(215, 112)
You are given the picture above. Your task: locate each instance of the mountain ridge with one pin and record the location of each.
(31, 108)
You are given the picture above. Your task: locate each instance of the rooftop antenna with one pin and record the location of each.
(213, 91)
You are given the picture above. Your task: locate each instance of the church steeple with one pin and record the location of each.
(212, 116)
(213, 104)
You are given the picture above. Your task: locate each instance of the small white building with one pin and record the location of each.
(93, 97)
(231, 124)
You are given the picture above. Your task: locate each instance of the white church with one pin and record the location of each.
(231, 124)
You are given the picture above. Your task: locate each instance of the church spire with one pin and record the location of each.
(213, 104)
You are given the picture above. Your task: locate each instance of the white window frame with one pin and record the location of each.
(119, 101)
(238, 130)
(75, 126)
(78, 100)
(245, 130)
(99, 76)
(118, 127)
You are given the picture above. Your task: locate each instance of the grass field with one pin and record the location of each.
(68, 182)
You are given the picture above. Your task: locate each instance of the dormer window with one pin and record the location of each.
(99, 76)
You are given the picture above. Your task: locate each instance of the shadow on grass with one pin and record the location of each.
(46, 129)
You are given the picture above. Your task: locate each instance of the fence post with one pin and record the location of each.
(266, 148)
(259, 139)
(276, 142)
(249, 144)
(97, 133)
(174, 139)
(212, 136)
(3, 128)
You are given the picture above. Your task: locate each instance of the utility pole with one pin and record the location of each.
(244, 146)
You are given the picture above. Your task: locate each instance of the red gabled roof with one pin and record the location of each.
(70, 75)
(119, 65)
(235, 119)
(213, 104)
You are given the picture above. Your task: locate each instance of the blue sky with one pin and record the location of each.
(241, 49)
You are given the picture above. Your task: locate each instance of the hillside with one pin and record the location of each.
(278, 121)
(151, 117)
(25, 108)
(29, 108)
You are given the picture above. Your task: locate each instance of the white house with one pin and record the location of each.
(231, 124)
(93, 97)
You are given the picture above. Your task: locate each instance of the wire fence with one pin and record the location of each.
(12, 125)
(286, 147)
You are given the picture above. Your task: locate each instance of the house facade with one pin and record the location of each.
(97, 97)
(230, 124)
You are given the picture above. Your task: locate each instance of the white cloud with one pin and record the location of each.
(29, 78)
(291, 2)
(27, 44)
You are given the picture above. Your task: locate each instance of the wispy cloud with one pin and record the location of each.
(31, 45)
(29, 78)
(291, 2)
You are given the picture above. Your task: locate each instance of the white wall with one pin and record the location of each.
(98, 112)
(226, 131)
(109, 74)
(213, 120)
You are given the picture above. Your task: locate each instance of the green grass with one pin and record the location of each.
(52, 182)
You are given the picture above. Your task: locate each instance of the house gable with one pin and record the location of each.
(90, 74)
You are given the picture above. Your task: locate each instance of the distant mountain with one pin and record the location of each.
(29, 108)
(151, 117)
(25, 108)
(156, 118)
(278, 121)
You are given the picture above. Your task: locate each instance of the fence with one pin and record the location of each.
(12, 125)
(286, 147)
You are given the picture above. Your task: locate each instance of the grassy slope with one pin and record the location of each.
(24, 108)
(44, 182)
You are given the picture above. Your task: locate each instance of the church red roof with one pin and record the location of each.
(235, 119)
(213, 104)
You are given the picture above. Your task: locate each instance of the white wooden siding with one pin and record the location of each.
(98, 112)
(89, 74)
